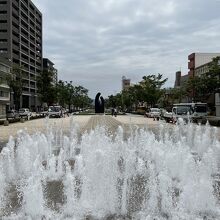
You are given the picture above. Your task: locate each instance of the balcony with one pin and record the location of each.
(24, 35)
(32, 62)
(25, 44)
(15, 3)
(25, 28)
(14, 29)
(38, 62)
(24, 53)
(33, 91)
(32, 47)
(25, 85)
(25, 75)
(24, 67)
(15, 12)
(24, 60)
(24, 11)
(39, 26)
(31, 7)
(16, 47)
(16, 56)
(32, 25)
(32, 85)
(32, 17)
(33, 78)
(25, 3)
(32, 33)
(32, 56)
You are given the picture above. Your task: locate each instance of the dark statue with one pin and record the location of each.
(99, 103)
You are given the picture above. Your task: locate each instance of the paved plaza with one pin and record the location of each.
(85, 122)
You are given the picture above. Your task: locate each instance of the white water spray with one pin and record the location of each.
(170, 175)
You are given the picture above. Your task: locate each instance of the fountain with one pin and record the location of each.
(170, 175)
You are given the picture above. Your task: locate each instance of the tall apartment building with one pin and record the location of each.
(21, 43)
(48, 65)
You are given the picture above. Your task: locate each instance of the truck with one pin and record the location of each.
(194, 112)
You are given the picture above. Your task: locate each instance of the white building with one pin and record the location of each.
(199, 64)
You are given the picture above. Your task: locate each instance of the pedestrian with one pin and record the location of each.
(115, 112)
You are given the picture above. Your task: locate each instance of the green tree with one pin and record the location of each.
(70, 95)
(151, 88)
(201, 87)
(14, 80)
(171, 96)
(80, 97)
(62, 93)
(148, 90)
(46, 89)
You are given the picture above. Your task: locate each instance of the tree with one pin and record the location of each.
(14, 80)
(80, 97)
(171, 96)
(148, 90)
(201, 87)
(62, 93)
(68, 94)
(151, 88)
(46, 89)
(214, 75)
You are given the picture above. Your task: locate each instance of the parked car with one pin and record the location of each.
(153, 113)
(24, 113)
(12, 114)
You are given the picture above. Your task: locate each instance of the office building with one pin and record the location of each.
(21, 43)
(180, 79)
(198, 61)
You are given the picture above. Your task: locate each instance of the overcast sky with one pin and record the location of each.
(95, 42)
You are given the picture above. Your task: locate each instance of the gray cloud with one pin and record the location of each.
(94, 43)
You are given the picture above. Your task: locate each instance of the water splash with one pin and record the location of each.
(173, 174)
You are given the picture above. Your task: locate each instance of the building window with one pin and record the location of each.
(3, 31)
(4, 68)
(3, 21)
(3, 50)
(3, 2)
(3, 12)
(2, 110)
(3, 40)
(4, 94)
